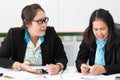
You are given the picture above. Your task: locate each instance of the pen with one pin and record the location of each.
(1, 74)
(62, 71)
(87, 68)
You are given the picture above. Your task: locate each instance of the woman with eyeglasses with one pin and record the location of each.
(33, 44)
(99, 52)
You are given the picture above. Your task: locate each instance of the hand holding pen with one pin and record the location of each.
(84, 69)
(94, 70)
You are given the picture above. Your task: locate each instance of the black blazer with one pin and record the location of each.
(14, 46)
(112, 57)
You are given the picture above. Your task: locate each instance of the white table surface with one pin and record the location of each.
(69, 74)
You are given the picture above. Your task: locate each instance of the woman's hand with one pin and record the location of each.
(97, 69)
(52, 69)
(25, 67)
(84, 69)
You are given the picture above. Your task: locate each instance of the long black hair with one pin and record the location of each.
(105, 16)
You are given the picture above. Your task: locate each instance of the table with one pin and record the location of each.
(69, 74)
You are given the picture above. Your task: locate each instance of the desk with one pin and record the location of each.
(69, 74)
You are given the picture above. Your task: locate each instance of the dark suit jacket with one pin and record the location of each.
(112, 57)
(14, 46)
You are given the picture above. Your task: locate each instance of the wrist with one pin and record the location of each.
(60, 66)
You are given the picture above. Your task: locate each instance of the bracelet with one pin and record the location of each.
(59, 66)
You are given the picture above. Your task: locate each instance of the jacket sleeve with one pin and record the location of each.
(82, 56)
(59, 51)
(114, 67)
(5, 51)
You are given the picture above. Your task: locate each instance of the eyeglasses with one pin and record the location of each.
(40, 21)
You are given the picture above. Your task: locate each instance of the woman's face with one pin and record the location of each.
(100, 29)
(38, 26)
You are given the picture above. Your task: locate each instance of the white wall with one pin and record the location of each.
(10, 12)
(65, 15)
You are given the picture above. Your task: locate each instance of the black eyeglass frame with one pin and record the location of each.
(40, 21)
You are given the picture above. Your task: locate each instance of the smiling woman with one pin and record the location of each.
(100, 45)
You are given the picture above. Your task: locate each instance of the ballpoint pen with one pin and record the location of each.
(61, 72)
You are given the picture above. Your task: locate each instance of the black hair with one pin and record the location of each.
(104, 15)
(29, 12)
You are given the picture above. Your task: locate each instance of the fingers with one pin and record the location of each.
(85, 68)
(35, 71)
(97, 69)
(27, 68)
(52, 69)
